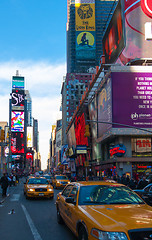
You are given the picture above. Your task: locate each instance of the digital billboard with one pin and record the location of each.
(18, 82)
(114, 38)
(17, 99)
(80, 130)
(17, 121)
(132, 99)
(17, 143)
(137, 15)
(105, 108)
(85, 29)
(29, 137)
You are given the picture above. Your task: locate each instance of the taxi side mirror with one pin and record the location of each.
(69, 200)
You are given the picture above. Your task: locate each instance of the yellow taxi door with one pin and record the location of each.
(72, 209)
(62, 205)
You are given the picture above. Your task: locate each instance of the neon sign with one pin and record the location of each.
(118, 150)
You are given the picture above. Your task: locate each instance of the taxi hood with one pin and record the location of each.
(119, 217)
(37, 185)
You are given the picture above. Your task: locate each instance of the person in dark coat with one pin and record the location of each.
(142, 183)
(4, 184)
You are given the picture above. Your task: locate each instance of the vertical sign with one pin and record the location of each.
(85, 29)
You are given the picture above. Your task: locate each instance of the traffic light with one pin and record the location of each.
(2, 135)
(87, 133)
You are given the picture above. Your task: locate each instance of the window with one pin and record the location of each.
(67, 190)
(73, 193)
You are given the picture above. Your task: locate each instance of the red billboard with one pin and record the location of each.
(80, 130)
(17, 143)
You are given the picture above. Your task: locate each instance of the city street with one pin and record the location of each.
(30, 219)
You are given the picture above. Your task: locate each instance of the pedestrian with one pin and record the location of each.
(14, 180)
(4, 184)
(142, 183)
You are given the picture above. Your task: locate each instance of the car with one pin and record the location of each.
(60, 181)
(104, 210)
(48, 177)
(145, 193)
(38, 187)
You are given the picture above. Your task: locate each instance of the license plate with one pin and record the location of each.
(41, 194)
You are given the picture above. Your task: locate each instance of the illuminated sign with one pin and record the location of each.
(148, 31)
(118, 150)
(146, 6)
(17, 143)
(29, 137)
(17, 99)
(113, 40)
(80, 130)
(18, 82)
(17, 121)
(143, 145)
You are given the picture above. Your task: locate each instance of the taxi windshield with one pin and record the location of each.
(61, 177)
(38, 181)
(101, 195)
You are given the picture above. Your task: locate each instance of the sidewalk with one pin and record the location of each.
(9, 190)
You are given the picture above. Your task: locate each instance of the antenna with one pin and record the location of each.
(17, 72)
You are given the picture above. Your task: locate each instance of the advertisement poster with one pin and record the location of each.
(104, 108)
(85, 30)
(132, 105)
(17, 121)
(85, 45)
(17, 143)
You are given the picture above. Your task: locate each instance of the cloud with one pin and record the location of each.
(43, 80)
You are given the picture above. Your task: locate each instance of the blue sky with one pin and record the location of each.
(33, 41)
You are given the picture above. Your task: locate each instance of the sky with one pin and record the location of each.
(33, 41)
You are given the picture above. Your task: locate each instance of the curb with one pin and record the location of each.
(3, 200)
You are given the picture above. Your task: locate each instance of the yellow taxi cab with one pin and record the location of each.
(38, 187)
(60, 181)
(104, 210)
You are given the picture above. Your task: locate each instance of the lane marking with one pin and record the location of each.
(31, 224)
(15, 197)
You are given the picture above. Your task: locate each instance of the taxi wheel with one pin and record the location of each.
(82, 234)
(59, 218)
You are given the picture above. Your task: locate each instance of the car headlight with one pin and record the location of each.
(50, 189)
(58, 182)
(108, 235)
(68, 181)
(31, 190)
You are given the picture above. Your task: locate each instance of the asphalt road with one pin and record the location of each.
(30, 219)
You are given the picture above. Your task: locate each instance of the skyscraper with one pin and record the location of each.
(85, 30)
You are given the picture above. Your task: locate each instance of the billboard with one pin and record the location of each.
(85, 30)
(80, 130)
(17, 99)
(132, 99)
(17, 121)
(18, 82)
(71, 137)
(29, 137)
(85, 45)
(17, 143)
(114, 38)
(137, 45)
(104, 108)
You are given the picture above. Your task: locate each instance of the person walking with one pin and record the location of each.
(4, 184)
